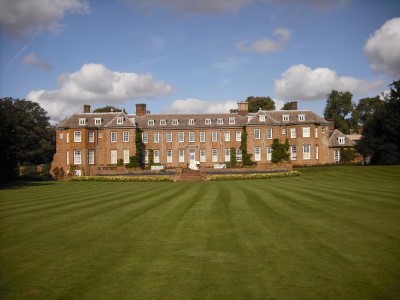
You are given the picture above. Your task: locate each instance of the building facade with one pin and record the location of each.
(87, 141)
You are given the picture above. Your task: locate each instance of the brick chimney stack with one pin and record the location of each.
(141, 109)
(243, 108)
(86, 109)
(293, 105)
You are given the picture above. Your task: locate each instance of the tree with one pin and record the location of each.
(108, 109)
(286, 106)
(137, 160)
(279, 151)
(26, 136)
(246, 157)
(338, 107)
(366, 107)
(256, 103)
(381, 131)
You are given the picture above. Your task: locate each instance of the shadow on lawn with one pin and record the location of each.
(18, 184)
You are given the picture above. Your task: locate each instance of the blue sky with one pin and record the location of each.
(195, 56)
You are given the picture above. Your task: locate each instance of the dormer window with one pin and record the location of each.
(120, 120)
(232, 120)
(301, 117)
(191, 121)
(175, 121)
(97, 121)
(285, 118)
(82, 121)
(261, 118)
(163, 122)
(150, 122)
(341, 140)
(207, 121)
(220, 121)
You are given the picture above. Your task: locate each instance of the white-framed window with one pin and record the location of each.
(220, 121)
(293, 152)
(214, 155)
(114, 157)
(77, 157)
(292, 133)
(202, 136)
(239, 154)
(156, 137)
(125, 136)
(202, 155)
(120, 120)
(336, 156)
(100, 135)
(227, 135)
(82, 121)
(97, 121)
(232, 120)
(341, 140)
(269, 133)
(238, 136)
(168, 137)
(145, 137)
(169, 156)
(283, 130)
(269, 153)
(181, 136)
(91, 136)
(126, 156)
(214, 136)
(150, 122)
(207, 121)
(67, 137)
(61, 136)
(306, 132)
(67, 158)
(77, 136)
(256, 133)
(163, 122)
(316, 132)
(285, 118)
(257, 153)
(191, 136)
(306, 151)
(113, 136)
(227, 156)
(323, 129)
(181, 155)
(301, 117)
(191, 121)
(316, 152)
(91, 157)
(145, 156)
(261, 118)
(175, 122)
(156, 156)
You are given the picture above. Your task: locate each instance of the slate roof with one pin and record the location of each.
(334, 140)
(310, 117)
(108, 120)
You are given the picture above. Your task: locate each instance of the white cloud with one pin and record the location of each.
(191, 105)
(18, 17)
(302, 82)
(265, 45)
(383, 48)
(95, 84)
(32, 60)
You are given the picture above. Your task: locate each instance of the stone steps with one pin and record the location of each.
(189, 175)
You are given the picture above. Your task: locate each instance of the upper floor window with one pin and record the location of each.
(261, 118)
(283, 130)
(301, 117)
(269, 133)
(91, 136)
(238, 136)
(220, 121)
(207, 121)
(77, 136)
(202, 136)
(256, 133)
(306, 132)
(120, 120)
(156, 137)
(191, 121)
(191, 137)
(145, 137)
(82, 121)
(150, 122)
(341, 140)
(232, 120)
(97, 121)
(113, 136)
(323, 129)
(175, 122)
(227, 136)
(181, 136)
(285, 118)
(125, 136)
(292, 133)
(168, 137)
(214, 136)
(163, 122)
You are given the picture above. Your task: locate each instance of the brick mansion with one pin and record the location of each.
(90, 140)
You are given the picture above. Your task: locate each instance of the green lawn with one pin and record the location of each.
(332, 233)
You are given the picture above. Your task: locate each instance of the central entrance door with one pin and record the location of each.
(192, 159)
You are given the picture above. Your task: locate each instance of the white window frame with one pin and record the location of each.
(238, 154)
(145, 137)
(91, 157)
(214, 155)
(202, 155)
(220, 121)
(67, 137)
(285, 118)
(61, 136)
(113, 157)
(341, 140)
(163, 122)
(227, 154)
(113, 136)
(67, 157)
(125, 136)
(257, 134)
(175, 122)
(150, 122)
(301, 117)
(207, 121)
(156, 137)
(336, 156)
(77, 157)
(293, 133)
(283, 130)
(191, 121)
(126, 156)
(269, 153)
(169, 156)
(261, 118)
(257, 153)
(269, 133)
(145, 156)
(238, 136)
(168, 137)
(306, 152)
(181, 155)
(192, 137)
(77, 136)
(97, 121)
(214, 136)
(227, 136)
(316, 152)
(181, 137)
(82, 121)
(91, 136)
(293, 152)
(316, 132)
(306, 132)
(232, 120)
(156, 156)
(120, 120)
(202, 136)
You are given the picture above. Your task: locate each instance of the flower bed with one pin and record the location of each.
(242, 176)
(158, 178)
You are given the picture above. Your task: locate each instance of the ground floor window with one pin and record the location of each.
(214, 155)
(293, 152)
(169, 156)
(156, 157)
(114, 157)
(239, 154)
(145, 158)
(77, 157)
(316, 152)
(181, 155)
(67, 158)
(126, 156)
(306, 151)
(336, 156)
(202, 155)
(257, 153)
(227, 154)
(269, 153)
(91, 157)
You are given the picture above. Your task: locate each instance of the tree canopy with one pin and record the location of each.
(108, 109)
(338, 108)
(26, 136)
(256, 103)
(286, 106)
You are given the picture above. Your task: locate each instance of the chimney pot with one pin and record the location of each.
(141, 109)
(86, 108)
